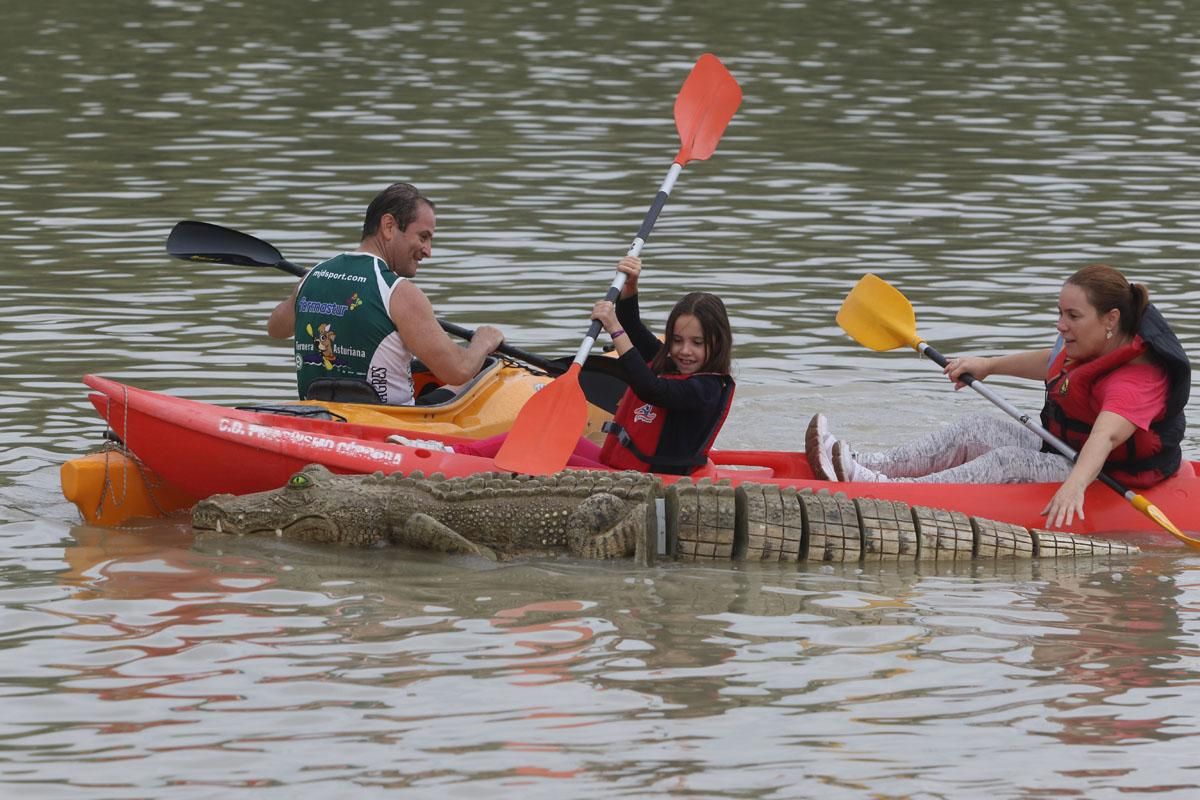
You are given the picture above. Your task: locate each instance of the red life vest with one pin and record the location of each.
(1147, 457)
(636, 428)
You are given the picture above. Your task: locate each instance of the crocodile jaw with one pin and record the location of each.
(208, 516)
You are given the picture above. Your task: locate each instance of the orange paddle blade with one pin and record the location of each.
(703, 108)
(545, 432)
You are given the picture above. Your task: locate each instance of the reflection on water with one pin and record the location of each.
(285, 665)
(972, 154)
(1119, 657)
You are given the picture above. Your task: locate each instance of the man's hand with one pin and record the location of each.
(489, 337)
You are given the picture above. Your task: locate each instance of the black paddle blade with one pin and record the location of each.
(203, 241)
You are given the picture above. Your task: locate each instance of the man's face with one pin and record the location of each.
(406, 248)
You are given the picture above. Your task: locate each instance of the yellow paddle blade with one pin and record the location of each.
(877, 316)
(1152, 511)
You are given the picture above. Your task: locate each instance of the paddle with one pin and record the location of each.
(204, 241)
(878, 316)
(545, 431)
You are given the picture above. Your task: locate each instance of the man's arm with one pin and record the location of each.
(412, 314)
(282, 322)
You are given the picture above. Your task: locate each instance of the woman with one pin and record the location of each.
(1116, 385)
(679, 389)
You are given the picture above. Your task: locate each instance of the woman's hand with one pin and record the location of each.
(978, 366)
(1108, 431)
(632, 267)
(1066, 504)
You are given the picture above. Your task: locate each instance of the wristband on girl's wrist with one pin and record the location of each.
(618, 332)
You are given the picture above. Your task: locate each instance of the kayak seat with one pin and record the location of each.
(342, 390)
(429, 391)
(433, 395)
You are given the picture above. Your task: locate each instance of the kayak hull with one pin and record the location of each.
(196, 449)
(1107, 512)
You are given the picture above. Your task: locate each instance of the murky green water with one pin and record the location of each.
(972, 154)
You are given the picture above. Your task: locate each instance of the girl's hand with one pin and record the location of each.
(978, 366)
(606, 312)
(632, 267)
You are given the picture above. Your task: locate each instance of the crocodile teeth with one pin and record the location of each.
(279, 532)
(218, 526)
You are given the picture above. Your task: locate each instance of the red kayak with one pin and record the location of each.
(186, 450)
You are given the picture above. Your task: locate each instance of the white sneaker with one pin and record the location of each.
(849, 470)
(818, 447)
(427, 444)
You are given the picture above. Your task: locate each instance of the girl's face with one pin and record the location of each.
(1083, 328)
(687, 347)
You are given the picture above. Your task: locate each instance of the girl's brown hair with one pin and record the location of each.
(718, 337)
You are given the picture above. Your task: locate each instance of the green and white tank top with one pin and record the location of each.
(343, 329)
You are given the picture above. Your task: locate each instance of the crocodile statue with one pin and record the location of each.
(587, 514)
(494, 515)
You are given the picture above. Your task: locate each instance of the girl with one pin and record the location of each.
(679, 390)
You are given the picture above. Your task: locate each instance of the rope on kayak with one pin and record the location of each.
(115, 443)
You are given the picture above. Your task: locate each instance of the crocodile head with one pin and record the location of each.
(306, 508)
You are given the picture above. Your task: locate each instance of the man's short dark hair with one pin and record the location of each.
(401, 200)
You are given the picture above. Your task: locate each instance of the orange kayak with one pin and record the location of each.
(177, 451)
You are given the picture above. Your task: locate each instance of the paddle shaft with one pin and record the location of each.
(1023, 418)
(288, 266)
(618, 282)
(547, 429)
(515, 352)
(706, 102)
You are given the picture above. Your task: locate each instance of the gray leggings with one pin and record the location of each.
(979, 448)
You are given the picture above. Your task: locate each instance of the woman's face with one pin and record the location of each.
(1083, 328)
(687, 347)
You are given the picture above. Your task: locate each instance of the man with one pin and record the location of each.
(357, 317)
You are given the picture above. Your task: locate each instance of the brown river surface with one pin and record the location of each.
(973, 154)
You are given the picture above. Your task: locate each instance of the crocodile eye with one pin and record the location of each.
(299, 481)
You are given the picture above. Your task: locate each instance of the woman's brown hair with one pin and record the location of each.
(1106, 288)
